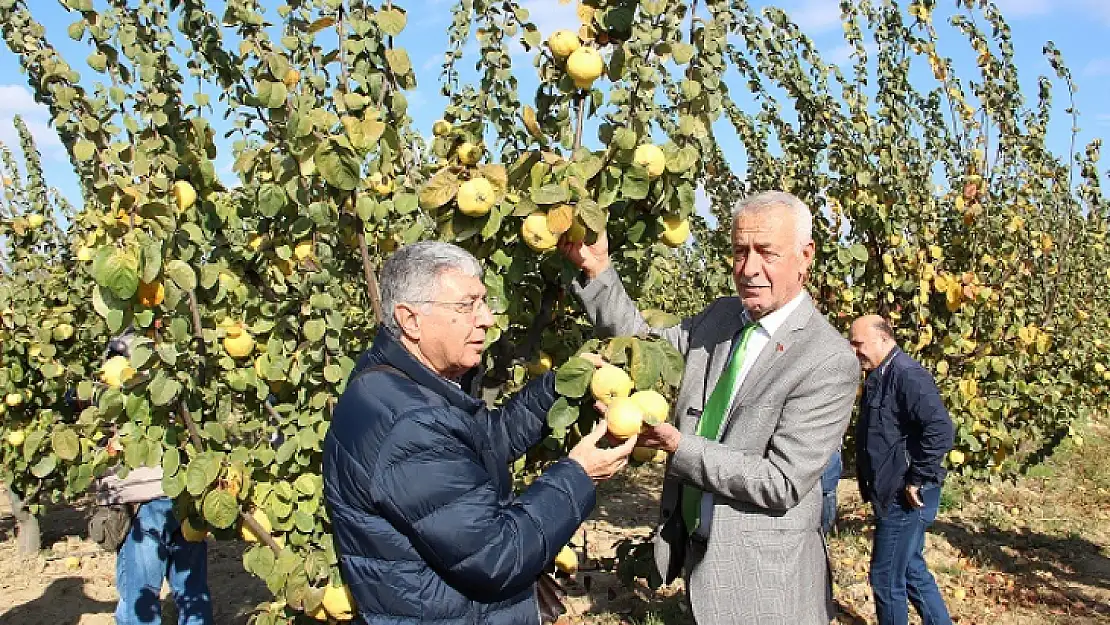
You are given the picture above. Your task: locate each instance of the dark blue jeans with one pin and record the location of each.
(898, 570)
(155, 550)
(829, 479)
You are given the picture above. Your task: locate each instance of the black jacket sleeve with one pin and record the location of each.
(522, 422)
(432, 485)
(932, 432)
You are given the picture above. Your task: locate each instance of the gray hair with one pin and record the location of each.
(767, 201)
(412, 274)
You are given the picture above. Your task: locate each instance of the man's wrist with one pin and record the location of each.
(593, 270)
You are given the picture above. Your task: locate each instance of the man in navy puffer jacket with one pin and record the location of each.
(416, 471)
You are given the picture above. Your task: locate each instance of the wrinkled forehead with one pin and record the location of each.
(771, 226)
(454, 283)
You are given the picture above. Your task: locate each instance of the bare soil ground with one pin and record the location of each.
(1031, 552)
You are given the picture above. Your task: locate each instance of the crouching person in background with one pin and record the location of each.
(416, 471)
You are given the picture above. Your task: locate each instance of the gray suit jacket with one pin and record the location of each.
(764, 562)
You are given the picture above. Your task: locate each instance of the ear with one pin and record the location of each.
(408, 321)
(808, 250)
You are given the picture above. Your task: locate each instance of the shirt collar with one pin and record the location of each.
(772, 321)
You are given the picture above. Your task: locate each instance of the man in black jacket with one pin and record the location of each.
(902, 436)
(416, 471)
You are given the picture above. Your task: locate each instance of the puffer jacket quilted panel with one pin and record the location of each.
(416, 478)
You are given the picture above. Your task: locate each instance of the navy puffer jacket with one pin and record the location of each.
(417, 482)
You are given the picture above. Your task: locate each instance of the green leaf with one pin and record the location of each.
(646, 364)
(66, 444)
(173, 485)
(859, 252)
(333, 373)
(83, 150)
(182, 275)
(391, 21)
(551, 194)
(674, 365)
(561, 415)
(398, 61)
(307, 483)
(625, 139)
(682, 160)
(214, 431)
(76, 30)
(220, 509)
(573, 377)
(659, 319)
(682, 52)
(171, 461)
(339, 165)
(116, 271)
(314, 330)
(45, 466)
(636, 185)
(271, 199)
(439, 190)
(592, 215)
(202, 471)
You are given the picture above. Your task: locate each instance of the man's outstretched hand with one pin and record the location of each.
(592, 259)
(663, 436)
(601, 464)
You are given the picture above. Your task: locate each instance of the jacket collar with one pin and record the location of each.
(387, 349)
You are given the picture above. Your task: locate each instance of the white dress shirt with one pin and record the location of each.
(759, 338)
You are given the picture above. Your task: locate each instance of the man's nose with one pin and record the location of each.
(484, 319)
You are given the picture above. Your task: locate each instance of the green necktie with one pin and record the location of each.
(711, 418)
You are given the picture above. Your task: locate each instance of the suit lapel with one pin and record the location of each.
(775, 350)
(722, 330)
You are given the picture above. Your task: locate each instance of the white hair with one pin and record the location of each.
(775, 201)
(412, 274)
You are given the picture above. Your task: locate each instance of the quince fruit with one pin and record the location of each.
(651, 158)
(85, 254)
(184, 195)
(476, 197)
(610, 382)
(441, 127)
(563, 43)
(584, 66)
(536, 234)
(542, 364)
(624, 417)
(16, 438)
(192, 533)
(338, 602)
(303, 250)
(151, 294)
(291, 77)
(63, 332)
(647, 454)
(35, 220)
(238, 342)
(956, 457)
(116, 370)
(380, 184)
(655, 406)
(567, 560)
(675, 230)
(469, 153)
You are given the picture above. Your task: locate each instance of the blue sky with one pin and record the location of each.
(1079, 29)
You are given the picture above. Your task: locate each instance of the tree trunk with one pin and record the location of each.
(28, 539)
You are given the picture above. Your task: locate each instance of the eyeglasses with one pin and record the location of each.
(471, 307)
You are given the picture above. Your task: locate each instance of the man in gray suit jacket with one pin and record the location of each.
(766, 398)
